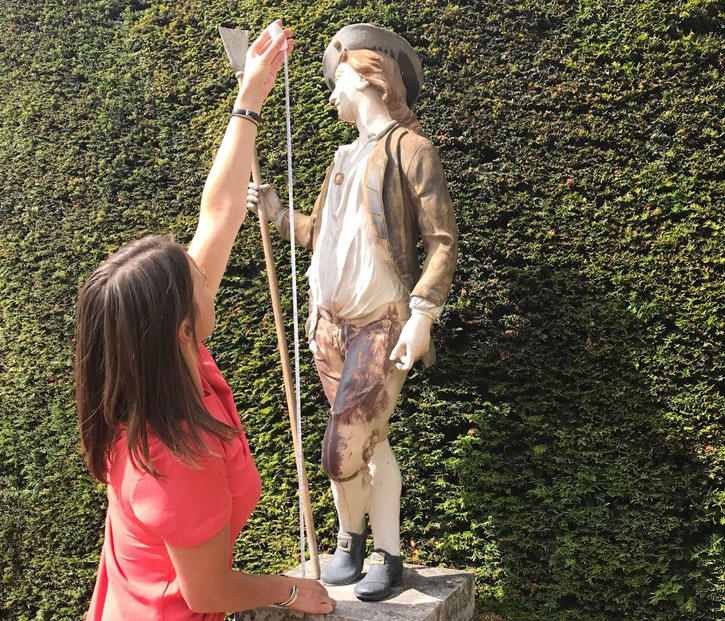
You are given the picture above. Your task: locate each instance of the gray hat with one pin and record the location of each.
(369, 37)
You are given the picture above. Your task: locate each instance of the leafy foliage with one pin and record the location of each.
(568, 445)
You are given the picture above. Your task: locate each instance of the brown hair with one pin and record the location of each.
(130, 370)
(383, 73)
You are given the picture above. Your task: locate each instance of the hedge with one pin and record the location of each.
(568, 445)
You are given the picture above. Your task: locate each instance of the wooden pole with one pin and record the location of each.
(287, 375)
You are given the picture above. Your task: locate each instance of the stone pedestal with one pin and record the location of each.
(427, 594)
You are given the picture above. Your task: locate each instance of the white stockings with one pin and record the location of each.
(375, 491)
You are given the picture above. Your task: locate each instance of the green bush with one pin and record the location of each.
(568, 445)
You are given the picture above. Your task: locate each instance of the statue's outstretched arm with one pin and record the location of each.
(304, 224)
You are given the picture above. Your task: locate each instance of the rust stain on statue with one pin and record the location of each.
(361, 397)
(369, 447)
(362, 394)
(333, 448)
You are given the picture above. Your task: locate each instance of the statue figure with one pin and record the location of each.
(371, 304)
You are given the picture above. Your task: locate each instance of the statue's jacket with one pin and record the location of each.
(406, 199)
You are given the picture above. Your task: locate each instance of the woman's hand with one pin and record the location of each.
(264, 59)
(221, 212)
(208, 584)
(312, 598)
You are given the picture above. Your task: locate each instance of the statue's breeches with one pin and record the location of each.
(362, 385)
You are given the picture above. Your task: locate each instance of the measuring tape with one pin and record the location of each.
(275, 30)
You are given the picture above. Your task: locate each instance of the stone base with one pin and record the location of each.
(427, 594)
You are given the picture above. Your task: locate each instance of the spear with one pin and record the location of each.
(236, 43)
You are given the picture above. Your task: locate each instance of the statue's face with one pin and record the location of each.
(348, 92)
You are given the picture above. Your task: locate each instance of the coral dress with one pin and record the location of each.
(184, 507)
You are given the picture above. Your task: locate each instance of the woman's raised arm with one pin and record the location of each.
(223, 200)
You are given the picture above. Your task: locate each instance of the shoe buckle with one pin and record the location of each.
(344, 543)
(377, 559)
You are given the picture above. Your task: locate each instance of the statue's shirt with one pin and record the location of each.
(405, 199)
(347, 275)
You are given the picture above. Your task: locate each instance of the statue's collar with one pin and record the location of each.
(360, 144)
(393, 123)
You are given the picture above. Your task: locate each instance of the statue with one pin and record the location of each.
(371, 305)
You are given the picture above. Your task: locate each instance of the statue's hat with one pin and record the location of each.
(369, 37)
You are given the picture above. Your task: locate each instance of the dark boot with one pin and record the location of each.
(346, 563)
(385, 572)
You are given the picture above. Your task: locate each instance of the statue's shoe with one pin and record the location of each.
(385, 572)
(346, 563)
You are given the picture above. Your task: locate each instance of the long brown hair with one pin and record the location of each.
(383, 73)
(130, 370)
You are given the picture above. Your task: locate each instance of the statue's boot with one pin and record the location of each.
(346, 563)
(385, 572)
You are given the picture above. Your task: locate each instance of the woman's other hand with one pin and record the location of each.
(312, 597)
(264, 58)
(265, 197)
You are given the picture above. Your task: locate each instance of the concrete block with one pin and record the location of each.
(427, 594)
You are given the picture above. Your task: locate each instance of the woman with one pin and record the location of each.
(158, 422)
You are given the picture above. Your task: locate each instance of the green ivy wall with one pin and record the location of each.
(568, 445)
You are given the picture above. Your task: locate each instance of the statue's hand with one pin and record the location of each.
(264, 196)
(413, 342)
